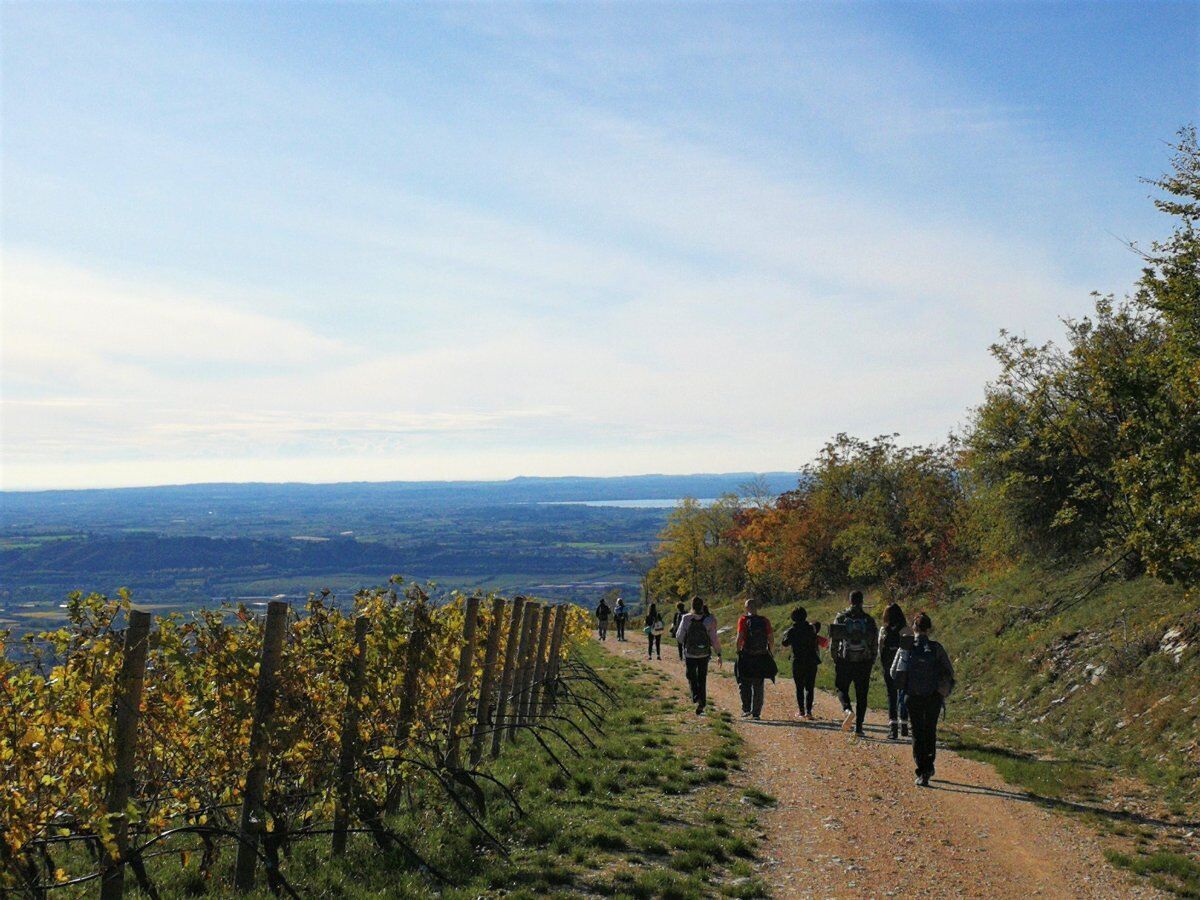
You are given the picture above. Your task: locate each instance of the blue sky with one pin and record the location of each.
(329, 242)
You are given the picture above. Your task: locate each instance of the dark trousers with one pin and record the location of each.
(655, 643)
(897, 708)
(752, 691)
(679, 646)
(859, 675)
(923, 711)
(697, 676)
(620, 629)
(806, 687)
(603, 625)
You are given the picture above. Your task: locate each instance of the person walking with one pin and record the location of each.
(855, 639)
(927, 677)
(801, 637)
(654, 630)
(697, 633)
(603, 613)
(680, 611)
(892, 635)
(755, 660)
(620, 616)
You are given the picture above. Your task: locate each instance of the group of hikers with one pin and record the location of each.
(916, 669)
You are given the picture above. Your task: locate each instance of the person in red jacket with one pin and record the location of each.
(755, 663)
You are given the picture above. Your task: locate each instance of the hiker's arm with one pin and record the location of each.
(713, 637)
(947, 666)
(770, 637)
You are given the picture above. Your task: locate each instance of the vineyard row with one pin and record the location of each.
(187, 736)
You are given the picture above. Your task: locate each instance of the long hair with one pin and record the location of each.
(893, 616)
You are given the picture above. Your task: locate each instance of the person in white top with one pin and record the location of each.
(697, 633)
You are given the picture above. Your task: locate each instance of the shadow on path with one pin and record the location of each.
(1116, 815)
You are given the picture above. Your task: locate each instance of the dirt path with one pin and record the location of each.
(851, 823)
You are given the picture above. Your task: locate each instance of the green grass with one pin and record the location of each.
(1167, 871)
(643, 814)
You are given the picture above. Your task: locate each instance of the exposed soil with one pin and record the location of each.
(851, 823)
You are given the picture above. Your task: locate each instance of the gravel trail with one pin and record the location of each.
(851, 823)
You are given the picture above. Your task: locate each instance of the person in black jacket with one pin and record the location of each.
(603, 613)
(680, 612)
(802, 638)
(855, 639)
(894, 633)
(927, 676)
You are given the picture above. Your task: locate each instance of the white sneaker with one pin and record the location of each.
(848, 720)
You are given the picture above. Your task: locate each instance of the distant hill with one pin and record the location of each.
(200, 504)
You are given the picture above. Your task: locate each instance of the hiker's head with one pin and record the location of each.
(856, 598)
(679, 606)
(894, 616)
(697, 605)
(799, 614)
(751, 605)
(923, 623)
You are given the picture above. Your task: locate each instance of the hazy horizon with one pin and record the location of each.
(412, 481)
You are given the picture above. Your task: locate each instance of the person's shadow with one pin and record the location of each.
(1120, 815)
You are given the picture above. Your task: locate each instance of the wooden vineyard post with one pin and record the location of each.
(410, 685)
(527, 665)
(127, 710)
(256, 778)
(539, 665)
(554, 664)
(506, 677)
(462, 681)
(348, 750)
(514, 717)
(486, 681)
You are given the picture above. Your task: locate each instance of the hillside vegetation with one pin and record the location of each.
(1055, 541)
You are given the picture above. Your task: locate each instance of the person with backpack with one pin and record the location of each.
(755, 660)
(697, 633)
(654, 630)
(927, 678)
(806, 656)
(620, 616)
(680, 611)
(855, 641)
(894, 634)
(602, 615)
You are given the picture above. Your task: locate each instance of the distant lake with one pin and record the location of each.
(627, 504)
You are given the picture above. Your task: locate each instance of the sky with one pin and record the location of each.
(372, 241)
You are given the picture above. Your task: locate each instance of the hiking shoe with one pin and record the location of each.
(699, 709)
(745, 713)
(903, 729)
(858, 732)
(848, 720)
(923, 781)
(895, 731)
(754, 716)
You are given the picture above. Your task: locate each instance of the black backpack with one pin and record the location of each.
(756, 636)
(696, 640)
(856, 639)
(924, 669)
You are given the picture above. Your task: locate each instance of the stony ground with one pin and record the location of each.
(851, 823)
